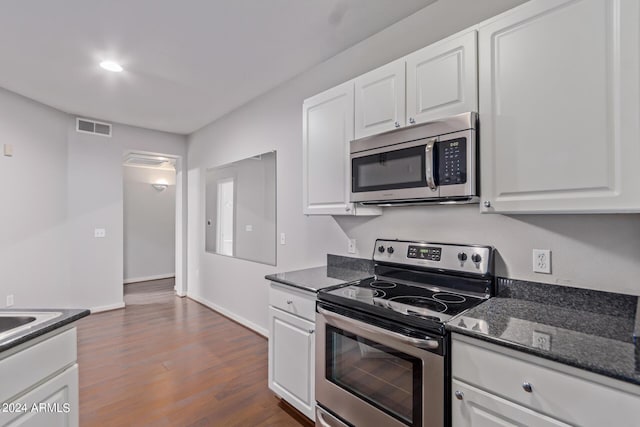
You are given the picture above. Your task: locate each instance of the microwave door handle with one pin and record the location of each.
(429, 164)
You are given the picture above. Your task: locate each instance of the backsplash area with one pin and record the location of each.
(587, 251)
(335, 263)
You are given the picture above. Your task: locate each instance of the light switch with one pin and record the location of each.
(8, 150)
(248, 227)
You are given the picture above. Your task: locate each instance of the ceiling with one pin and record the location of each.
(186, 62)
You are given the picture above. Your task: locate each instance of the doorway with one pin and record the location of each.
(153, 201)
(224, 229)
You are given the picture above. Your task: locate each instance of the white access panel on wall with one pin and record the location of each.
(442, 79)
(380, 99)
(560, 108)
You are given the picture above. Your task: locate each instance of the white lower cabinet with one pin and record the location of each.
(495, 386)
(54, 403)
(39, 382)
(292, 347)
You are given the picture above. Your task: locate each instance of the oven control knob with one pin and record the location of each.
(476, 258)
(462, 256)
(381, 249)
(390, 249)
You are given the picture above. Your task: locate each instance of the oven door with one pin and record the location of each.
(372, 375)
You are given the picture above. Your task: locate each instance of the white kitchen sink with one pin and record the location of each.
(14, 322)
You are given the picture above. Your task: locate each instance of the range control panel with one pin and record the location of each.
(431, 253)
(443, 256)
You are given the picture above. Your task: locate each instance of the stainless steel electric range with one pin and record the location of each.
(382, 352)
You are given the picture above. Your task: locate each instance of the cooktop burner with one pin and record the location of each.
(382, 284)
(421, 302)
(449, 298)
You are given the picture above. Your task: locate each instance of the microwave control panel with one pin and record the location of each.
(452, 161)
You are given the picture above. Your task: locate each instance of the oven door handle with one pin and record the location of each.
(431, 182)
(344, 321)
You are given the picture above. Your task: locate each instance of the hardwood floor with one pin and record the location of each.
(169, 361)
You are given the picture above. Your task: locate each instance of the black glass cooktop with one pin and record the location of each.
(417, 301)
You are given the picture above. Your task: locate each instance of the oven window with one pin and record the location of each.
(386, 378)
(391, 170)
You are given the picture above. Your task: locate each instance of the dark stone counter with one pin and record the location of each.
(338, 271)
(593, 330)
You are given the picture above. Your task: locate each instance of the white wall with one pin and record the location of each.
(95, 200)
(34, 265)
(274, 121)
(149, 224)
(57, 188)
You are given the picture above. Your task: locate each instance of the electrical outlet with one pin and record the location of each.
(9, 300)
(99, 233)
(352, 246)
(542, 261)
(541, 340)
(283, 239)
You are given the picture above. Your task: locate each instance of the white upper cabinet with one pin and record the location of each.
(442, 79)
(380, 100)
(560, 108)
(327, 127)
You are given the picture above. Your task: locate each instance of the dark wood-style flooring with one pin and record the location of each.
(169, 361)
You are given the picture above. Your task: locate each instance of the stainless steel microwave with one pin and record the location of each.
(434, 162)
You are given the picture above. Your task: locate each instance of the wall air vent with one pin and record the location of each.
(91, 126)
(149, 161)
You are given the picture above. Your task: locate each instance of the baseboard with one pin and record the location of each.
(148, 278)
(241, 320)
(102, 308)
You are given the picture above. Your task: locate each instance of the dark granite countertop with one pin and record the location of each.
(67, 316)
(592, 330)
(338, 271)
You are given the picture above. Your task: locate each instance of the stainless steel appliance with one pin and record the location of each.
(435, 162)
(382, 352)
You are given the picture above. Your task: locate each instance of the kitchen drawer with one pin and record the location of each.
(289, 299)
(474, 407)
(558, 394)
(27, 367)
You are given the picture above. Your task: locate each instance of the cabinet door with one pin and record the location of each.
(327, 130)
(380, 100)
(559, 108)
(51, 404)
(474, 407)
(442, 79)
(292, 360)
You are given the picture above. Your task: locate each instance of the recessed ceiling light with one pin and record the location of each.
(111, 66)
